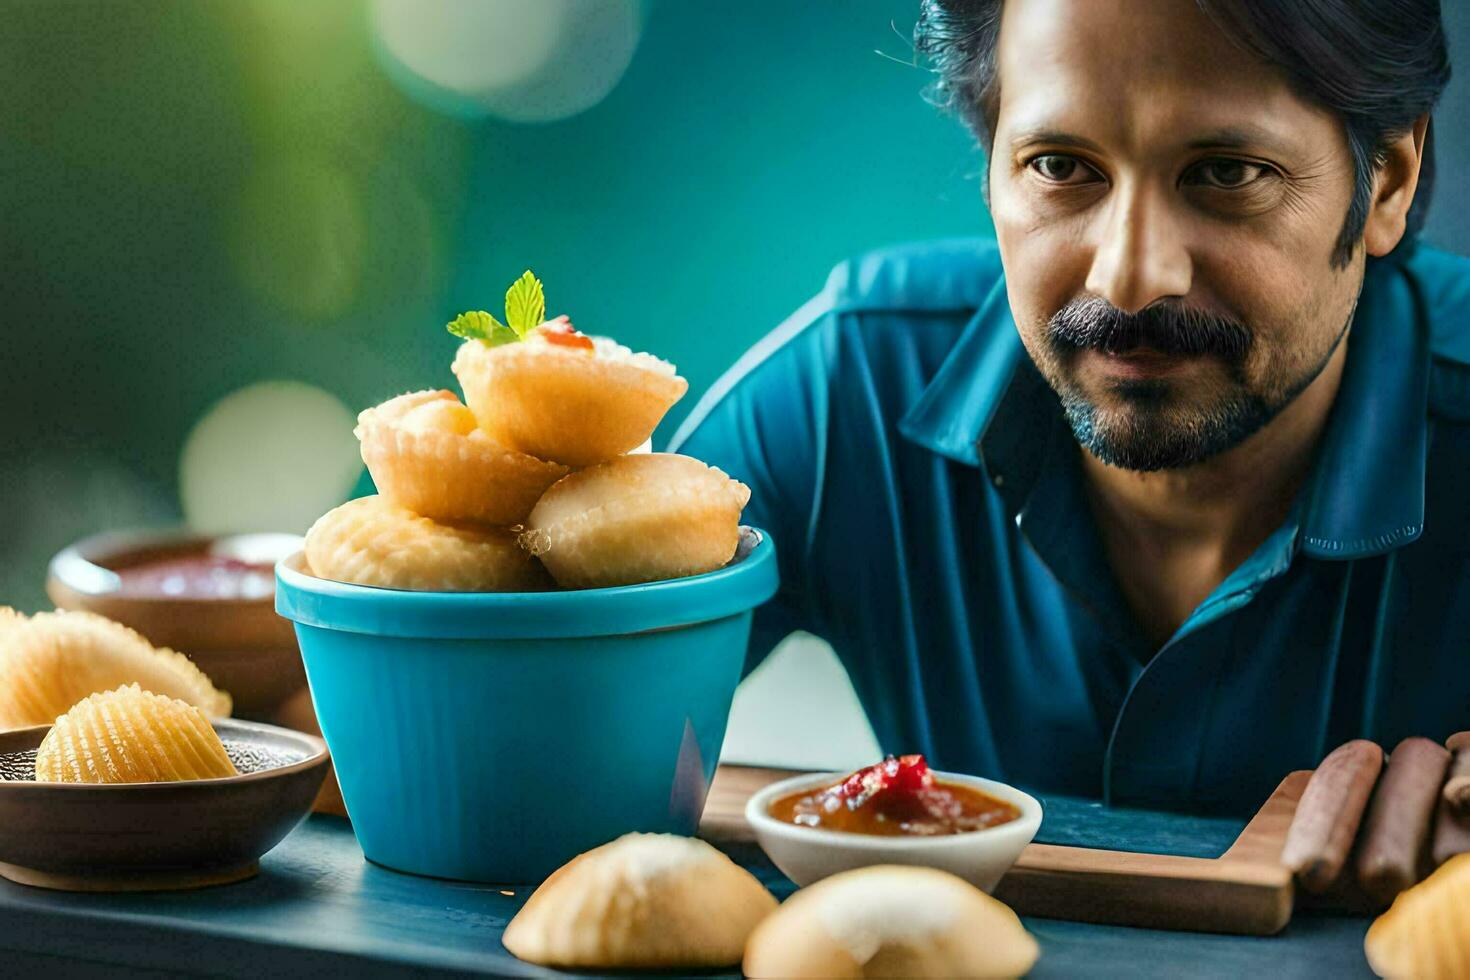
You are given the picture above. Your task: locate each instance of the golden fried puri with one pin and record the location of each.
(369, 541)
(889, 921)
(572, 406)
(426, 453)
(642, 902)
(1425, 934)
(639, 518)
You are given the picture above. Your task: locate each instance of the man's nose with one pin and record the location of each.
(1142, 256)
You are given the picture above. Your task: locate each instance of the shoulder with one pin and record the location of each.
(951, 275)
(893, 309)
(886, 295)
(1442, 284)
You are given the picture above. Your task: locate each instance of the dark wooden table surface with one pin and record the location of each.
(319, 909)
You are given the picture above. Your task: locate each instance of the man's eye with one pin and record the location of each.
(1224, 173)
(1062, 169)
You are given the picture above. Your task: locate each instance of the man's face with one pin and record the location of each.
(1167, 210)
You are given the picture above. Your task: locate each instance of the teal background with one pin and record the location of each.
(198, 196)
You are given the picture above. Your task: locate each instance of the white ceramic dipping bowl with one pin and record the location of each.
(808, 854)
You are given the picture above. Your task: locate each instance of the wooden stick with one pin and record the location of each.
(1327, 818)
(1399, 818)
(1457, 785)
(1451, 833)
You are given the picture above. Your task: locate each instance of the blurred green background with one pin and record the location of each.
(226, 227)
(200, 197)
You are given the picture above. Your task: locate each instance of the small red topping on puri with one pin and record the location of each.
(561, 332)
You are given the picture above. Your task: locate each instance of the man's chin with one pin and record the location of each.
(1144, 455)
(1150, 438)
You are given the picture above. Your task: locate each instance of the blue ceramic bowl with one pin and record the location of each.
(492, 737)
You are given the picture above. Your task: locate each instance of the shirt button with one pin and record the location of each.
(998, 480)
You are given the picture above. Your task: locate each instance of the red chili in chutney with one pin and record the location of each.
(898, 797)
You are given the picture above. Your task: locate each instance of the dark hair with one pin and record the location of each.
(1378, 64)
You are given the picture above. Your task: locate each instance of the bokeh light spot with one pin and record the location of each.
(520, 60)
(273, 456)
(469, 46)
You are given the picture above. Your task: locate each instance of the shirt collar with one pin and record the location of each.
(1366, 492)
(956, 407)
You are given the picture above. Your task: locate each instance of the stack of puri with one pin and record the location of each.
(448, 501)
(532, 482)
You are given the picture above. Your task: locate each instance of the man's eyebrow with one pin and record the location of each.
(1227, 138)
(1052, 137)
(1239, 138)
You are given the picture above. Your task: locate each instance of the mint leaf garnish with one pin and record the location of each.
(525, 304)
(525, 309)
(479, 325)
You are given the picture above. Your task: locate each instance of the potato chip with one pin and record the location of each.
(50, 661)
(131, 736)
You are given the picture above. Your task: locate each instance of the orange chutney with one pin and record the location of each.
(898, 797)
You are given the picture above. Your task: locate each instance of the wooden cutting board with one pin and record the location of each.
(1244, 891)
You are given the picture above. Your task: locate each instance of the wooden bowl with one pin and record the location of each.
(155, 836)
(240, 643)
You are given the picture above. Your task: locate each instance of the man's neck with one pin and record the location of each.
(1172, 536)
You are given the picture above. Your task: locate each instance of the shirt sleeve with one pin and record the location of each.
(765, 424)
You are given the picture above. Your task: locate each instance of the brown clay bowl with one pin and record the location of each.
(240, 643)
(155, 836)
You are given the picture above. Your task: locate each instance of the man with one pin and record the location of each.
(1166, 492)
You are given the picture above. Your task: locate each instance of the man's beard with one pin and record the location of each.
(1158, 428)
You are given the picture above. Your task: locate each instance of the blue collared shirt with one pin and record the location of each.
(927, 502)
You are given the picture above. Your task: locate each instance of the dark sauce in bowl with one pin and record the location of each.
(198, 576)
(898, 797)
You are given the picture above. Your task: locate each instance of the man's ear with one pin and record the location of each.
(1393, 190)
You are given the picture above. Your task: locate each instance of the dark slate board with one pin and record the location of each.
(1085, 823)
(319, 909)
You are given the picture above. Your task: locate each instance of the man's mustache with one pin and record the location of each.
(1169, 328)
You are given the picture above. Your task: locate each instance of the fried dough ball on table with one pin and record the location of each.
(643, 901)
(369, 541)
(50, 661)
(426, 453)
(888, 921)
(640, 518)
(570, 404)
(1424, 935)
(131, 736)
